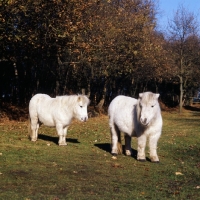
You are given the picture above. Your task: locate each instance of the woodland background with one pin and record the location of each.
(102, 48)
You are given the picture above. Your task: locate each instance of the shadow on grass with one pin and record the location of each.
(106, 147)
(103, 146)
(55, 139)
(192, 108)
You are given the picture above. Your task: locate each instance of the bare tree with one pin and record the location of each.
(182, 26)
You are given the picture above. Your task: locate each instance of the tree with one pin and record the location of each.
(182, 27)
(34, 34)
(64, 46)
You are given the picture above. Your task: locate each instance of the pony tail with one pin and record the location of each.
(119, 145)
(29, 127)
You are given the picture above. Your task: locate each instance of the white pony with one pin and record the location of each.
(56, 112)
(136, 118)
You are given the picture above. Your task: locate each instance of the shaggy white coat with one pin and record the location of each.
(136, 118)
(56, 112)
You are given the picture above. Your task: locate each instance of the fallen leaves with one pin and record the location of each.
(198, 165)
(114, 157)
(178, 173)
(116, 165)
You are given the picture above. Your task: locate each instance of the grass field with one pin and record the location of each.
(85, 169)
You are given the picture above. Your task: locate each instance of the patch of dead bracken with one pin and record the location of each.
(13, 113)
(9, 112)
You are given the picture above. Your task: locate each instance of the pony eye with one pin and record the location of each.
(81, 106)
(152, 106)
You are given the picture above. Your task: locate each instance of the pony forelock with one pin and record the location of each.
(148, 96)
(84, 99)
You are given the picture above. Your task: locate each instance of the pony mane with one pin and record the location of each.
(148, 96)
(73, 99)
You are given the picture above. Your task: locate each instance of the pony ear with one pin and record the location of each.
(157, 95)
(79, 98)
(88, 102)
(140, 95)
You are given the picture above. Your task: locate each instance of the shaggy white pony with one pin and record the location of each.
(56, 112)
(139, 118)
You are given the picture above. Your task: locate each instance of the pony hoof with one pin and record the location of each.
(114, 154)
(128, 153)
(142, 160)
(155, 161)
(33, 140)
(62, 144)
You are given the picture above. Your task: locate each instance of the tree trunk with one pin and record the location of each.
(181, 95)
(145, 86)
(181, 81)
(88, 90)
(99, 107)
(83, 91)
(17, 99)
(135, 90)
(57, 87)
(156, 86)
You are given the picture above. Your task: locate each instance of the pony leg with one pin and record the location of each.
(141, 148)
(128, 150)
(65, 134)
(153, 140)
(34, 130)
(61, 135)
(115, 140)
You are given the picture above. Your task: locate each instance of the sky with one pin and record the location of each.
(167, 8)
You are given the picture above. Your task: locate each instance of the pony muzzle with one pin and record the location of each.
(84, 119)
(144, 121)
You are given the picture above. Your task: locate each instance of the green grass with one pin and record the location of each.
(84, 169)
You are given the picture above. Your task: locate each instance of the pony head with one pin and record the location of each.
(147, 107)
(80, 109)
